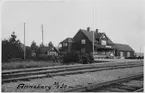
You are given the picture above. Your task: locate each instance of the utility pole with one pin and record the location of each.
(140, 52)
(93, 43)
(93, 26)
(42, 35)
(24, 43)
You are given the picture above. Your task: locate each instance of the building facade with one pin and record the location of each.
(103, 46)
(123, 50)
(46, 52)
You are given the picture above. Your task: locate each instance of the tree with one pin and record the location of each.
(34, 47)
(41, 45)
(28, 52)
(13, 39)
(50, 44)
(5, 50)
(11, 48)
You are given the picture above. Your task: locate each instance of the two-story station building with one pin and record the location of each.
(103, 46)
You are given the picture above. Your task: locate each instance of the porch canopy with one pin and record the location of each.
(104, 46)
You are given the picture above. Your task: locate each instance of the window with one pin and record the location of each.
(103, 36)
(103, 42)
(83, 41)
(64, 44)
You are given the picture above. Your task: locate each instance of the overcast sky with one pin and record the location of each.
(123, 21)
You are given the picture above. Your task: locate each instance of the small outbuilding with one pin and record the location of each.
(47, 51)
(123, 50)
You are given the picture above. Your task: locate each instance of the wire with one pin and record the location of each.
(17, 25)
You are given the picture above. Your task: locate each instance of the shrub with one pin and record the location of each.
(44, 58)
(86, 58)
(71, 57)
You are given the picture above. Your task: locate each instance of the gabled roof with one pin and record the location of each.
(89, 35)
(46, 49)
(98, 35)
(109, 41)
(68, 40)
(123, 47)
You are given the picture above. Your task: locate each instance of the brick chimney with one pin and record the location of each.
(96, 34)
(88, 29)
(97, 31)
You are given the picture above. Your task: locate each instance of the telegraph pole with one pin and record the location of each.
(93, 26)
(93, 43)
(42, 35)
(140, 52)
(24, 43)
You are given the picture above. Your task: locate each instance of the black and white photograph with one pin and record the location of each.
(72, 45)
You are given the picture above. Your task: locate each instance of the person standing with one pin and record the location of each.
(111, 55)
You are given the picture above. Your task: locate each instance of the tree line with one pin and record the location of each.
(13, 48)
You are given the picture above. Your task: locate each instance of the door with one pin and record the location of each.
(121, 54)
(128, 54)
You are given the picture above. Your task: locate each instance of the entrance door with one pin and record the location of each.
(121, 54)
(128, 54)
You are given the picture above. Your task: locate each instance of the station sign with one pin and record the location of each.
(108, 46)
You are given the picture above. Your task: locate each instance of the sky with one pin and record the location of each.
(123, 21)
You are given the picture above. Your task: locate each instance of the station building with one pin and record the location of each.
(103, 45)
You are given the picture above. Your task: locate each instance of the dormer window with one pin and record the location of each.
(103, 42)
(83, 41)
(103, 36)
(64, 44)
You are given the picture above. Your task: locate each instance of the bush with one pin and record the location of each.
(44, 57)
(71, 57)
(87, 58)
(84, 58)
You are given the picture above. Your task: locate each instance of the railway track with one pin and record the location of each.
(66, 66)
(28, 74)
(132, 83)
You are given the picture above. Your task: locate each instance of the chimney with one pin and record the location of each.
(96, 31)
(96, 34)
(88, 29)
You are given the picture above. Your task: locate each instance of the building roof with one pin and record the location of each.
(68, 40)
(123, 47)
(46, 49)
(89, 35)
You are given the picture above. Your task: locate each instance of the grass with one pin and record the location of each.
(31, 64)
(27, 64)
